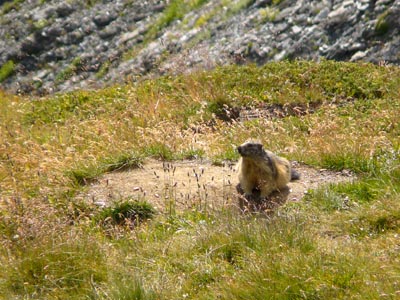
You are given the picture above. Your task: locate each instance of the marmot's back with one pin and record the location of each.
(262, 171)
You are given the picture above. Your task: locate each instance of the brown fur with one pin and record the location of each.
(261, 171)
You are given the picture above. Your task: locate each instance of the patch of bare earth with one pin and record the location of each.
(197, 184)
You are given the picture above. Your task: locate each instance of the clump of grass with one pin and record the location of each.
(123, 162)
(268, 14)
(90, 3)
(349, 161)
(128, 288)
(175, 10)
(159, 151)
(126, 212)
(203, 19)
(103, 69)
(40, 24)
(82, 176)
(11, 5)
(191, 154)
(6, 70)
(382, 26)
(229, 155)
(86, 174)
(70, 70)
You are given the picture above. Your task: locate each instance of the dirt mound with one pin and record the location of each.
(193, 184)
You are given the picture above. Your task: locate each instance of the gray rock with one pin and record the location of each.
(43, 40)
(104, 19)
(31, 45)
(382, 5)
(322, 15)
(359, 55)
(64, 9)
(109, 32)
(52, 32)
(341, 12)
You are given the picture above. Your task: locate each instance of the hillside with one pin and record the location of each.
(78, 218)
(54, 45)
(119, 122)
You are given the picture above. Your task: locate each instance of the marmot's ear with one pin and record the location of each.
(259, 146)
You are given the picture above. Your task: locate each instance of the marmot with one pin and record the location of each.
(261, 172)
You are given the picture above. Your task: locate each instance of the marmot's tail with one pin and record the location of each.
(294, 175)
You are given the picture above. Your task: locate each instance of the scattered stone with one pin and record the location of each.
(49, 35)
(104, 19)
(64, 10)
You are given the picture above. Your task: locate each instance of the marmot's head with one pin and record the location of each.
(251, 149)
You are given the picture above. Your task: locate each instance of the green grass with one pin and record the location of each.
(268, 14)
(339, 242)
(57, 268)
(131, 212)
(103, 70)
(6, 70)
(40, 24)
(128, 289)
(11, 5)
(87, 173)
(175, 10)
(70, 70)
(382, 26)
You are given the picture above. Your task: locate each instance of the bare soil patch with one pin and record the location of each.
(196, 184)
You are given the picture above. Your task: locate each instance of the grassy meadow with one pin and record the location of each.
(342, 241)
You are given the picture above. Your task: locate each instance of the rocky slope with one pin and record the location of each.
(53, 45)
